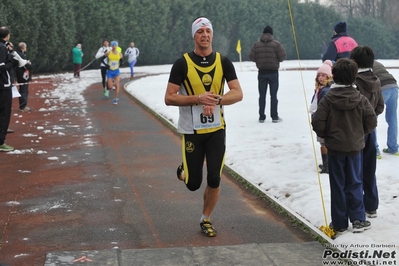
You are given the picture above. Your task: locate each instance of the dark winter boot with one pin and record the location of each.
(324, 166)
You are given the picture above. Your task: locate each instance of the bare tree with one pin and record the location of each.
(390, 13)
(346, 7)
(383, 10)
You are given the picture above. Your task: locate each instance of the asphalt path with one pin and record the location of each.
(104, 177)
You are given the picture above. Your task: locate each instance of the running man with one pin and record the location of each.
(103, 51)
(113, 72)
(196, 85)
(132, 53)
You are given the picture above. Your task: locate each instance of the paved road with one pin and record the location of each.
(103, 178)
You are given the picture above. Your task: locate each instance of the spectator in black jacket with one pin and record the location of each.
(341, 44)
(7, 63)
(23, 75)
(369, 85)
(267, 53)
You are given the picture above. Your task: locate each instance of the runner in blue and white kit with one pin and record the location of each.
(132, 53)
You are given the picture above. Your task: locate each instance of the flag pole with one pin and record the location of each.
(240, 62)
(238, 49)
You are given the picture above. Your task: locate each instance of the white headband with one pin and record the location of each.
(201, 23)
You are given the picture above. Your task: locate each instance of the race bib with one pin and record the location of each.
(114, 64)
(202, 122)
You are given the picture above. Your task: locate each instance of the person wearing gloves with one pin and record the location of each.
(341, 44)
(8, 60)
(132, 53)
(323, 82)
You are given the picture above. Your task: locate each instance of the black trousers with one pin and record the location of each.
(23, 100)
(104, 76)
(5, 112)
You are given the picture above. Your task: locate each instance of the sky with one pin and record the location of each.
(280, 159)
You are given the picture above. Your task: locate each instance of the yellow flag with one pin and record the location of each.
(238, 47)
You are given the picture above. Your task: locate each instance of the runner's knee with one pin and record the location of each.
(214, 182)
(193, 186)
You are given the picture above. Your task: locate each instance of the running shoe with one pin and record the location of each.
(180, 172)
(115, 101)
(106, 93)
(6, 147)
(207, 228)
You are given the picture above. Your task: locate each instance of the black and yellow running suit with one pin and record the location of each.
(196, 75)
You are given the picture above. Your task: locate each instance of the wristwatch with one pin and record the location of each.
(219, 100)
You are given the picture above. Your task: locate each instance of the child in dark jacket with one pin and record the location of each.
(369, 85)
(342, 118)
(323, 82)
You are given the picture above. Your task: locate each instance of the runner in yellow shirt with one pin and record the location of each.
(113, 73)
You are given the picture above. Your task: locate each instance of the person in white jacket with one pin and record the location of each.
(103, 51)
(132, 53)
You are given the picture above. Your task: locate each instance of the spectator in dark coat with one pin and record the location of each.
(7, 63)
(389, 88)
(341, 44)
(369, 85)
(23, 75)
(267, 53)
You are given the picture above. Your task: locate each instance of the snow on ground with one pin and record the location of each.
(279, 159)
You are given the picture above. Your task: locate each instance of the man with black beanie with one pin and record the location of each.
(267, 53)
(341, 44)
